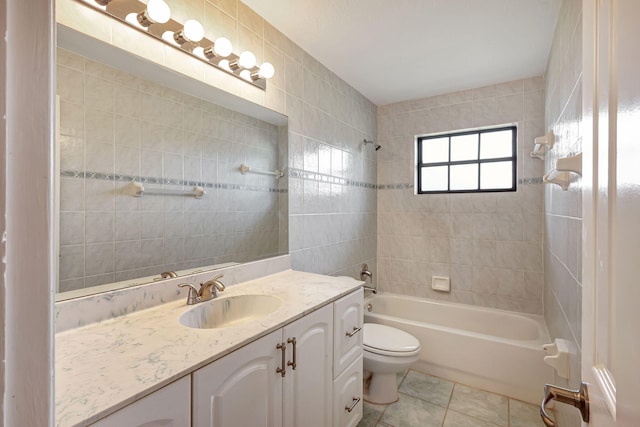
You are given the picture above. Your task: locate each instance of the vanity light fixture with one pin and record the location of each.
(153, 17)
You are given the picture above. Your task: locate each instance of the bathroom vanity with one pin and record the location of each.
(299, 362)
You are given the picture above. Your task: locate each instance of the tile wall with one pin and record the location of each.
(117, 128)
(332, 176)
(490, 245)
(563, 209)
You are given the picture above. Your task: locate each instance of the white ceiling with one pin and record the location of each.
(395, 50)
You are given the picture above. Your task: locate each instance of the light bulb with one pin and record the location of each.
(193, 31)
(158, 12)
(247, 59)
(246, 74)
(266, 70)
(169, 37)
(199, 51)
(132, 19)
(224, 64)
(222, 46)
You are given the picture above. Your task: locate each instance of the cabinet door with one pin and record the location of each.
(348, 317)
(308, 387)
(241, 389)
(168, 407)
(347, 403)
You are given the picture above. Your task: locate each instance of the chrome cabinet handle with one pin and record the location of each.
(353, 404)
(294, 342)
(578, 398)
(355, 331)
(282, 370)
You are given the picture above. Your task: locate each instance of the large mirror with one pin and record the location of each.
(127, 124)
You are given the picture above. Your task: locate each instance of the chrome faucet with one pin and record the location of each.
(208, 290)
(364, 273)
(168, 274)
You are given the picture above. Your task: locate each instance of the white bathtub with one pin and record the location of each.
(495, 350)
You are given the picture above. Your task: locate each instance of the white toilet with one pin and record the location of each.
(387, 351)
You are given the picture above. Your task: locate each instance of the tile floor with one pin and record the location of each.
(427, 401)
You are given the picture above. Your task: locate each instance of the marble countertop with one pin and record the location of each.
(105, 366)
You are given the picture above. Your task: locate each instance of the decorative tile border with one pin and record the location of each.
(291, 172)
(166, 181)
(329, 179)
(529, 181)
(395, 187)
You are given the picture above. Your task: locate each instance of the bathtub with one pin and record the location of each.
(494, 350)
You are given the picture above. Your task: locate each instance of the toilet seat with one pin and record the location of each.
(388, 341)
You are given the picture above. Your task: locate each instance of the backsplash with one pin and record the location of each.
(489, 244)
(117, 128)
(87, 309)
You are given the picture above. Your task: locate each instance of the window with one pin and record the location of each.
(468, 162)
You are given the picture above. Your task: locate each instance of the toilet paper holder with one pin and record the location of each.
(558, 356)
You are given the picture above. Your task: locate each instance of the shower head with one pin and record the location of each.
(376, 146)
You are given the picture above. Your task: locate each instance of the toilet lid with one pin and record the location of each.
(384, 339)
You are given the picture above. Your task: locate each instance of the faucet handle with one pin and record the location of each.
(213, 286)
(193, 297)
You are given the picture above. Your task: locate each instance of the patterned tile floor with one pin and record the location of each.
(427, 401)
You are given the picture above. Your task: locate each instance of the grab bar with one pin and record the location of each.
(136, 189)
(244, 169)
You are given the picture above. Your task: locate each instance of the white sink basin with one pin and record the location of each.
(226, 312)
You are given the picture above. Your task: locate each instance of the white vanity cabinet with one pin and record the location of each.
(248, 388)
(168, 407)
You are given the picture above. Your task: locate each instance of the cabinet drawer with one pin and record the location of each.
(347, 322)
(347, 396)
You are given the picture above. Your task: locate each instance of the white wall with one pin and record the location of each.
(490, 244)
(563, 209)
(28, 280)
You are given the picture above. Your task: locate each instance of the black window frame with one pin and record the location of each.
(514, 159)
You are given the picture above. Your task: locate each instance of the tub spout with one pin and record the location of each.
(364, 273)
